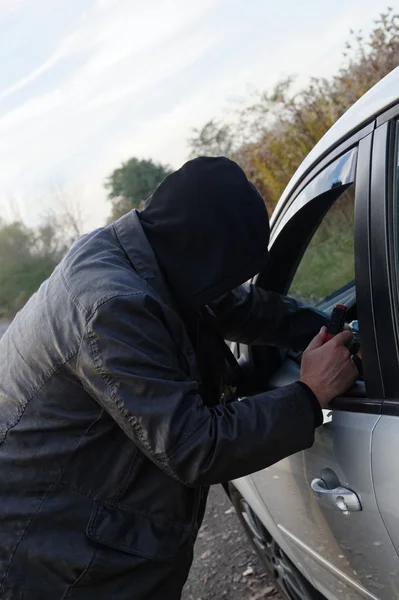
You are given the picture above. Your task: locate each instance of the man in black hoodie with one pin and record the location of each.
(114, 418)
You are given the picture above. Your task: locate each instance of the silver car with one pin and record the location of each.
(325, 521)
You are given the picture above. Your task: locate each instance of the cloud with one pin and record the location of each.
(61, 52)
(64, 130)
(8, 6)
(123, 78)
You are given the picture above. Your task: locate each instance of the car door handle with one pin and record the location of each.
(338, 498)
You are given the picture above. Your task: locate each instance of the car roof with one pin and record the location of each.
(378, 98)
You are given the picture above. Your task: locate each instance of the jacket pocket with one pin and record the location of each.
(135, 533)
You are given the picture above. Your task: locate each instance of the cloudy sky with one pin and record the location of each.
(85, 84)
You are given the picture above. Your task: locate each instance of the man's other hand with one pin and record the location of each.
(327, 367)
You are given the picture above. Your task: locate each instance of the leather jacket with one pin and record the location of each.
(106, 447)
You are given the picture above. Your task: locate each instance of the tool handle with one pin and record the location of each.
(337, 321)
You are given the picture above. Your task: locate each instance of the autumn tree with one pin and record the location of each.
(271, 135)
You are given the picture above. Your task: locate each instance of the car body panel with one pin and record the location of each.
(249, 491)
(385, 451)
(354, 551)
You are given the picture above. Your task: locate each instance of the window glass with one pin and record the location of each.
(328, 264)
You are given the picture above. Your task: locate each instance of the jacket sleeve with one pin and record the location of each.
(250, 315)
(130, 364)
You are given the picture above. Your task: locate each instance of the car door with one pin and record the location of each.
(322, 500)
(385, 278)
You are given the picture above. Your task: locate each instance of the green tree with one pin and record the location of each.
(131, 184)
(275, 130)
(27, 257)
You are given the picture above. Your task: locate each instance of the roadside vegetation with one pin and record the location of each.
(273, 131)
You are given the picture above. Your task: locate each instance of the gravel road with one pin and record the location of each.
(225, 566)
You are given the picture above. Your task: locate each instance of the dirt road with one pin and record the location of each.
(225, 567)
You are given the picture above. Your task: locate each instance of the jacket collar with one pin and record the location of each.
(134, 242)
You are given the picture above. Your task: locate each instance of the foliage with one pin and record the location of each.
(130, 185)
(27, 257)
(273, 133)
(213, 139)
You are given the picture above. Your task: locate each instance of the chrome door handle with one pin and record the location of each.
(339, 498)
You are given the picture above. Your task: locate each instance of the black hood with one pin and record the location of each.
(209, 229)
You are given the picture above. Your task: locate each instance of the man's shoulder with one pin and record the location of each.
(96, 269)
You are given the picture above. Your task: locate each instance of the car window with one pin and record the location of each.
(327, 265)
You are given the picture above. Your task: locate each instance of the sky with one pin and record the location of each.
(87, 84)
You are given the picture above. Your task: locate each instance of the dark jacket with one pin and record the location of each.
(105, 444)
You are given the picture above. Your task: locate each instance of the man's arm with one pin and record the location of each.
(130, 364)
(250, 315)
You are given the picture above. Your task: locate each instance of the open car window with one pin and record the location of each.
(326, 270)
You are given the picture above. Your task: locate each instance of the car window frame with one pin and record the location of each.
(322, 189)
(370, 399)
(327, 158)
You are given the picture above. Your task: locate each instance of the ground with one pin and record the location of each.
(225, 566)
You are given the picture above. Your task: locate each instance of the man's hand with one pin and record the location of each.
(327, 367)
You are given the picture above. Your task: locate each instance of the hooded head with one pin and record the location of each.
(209, 229)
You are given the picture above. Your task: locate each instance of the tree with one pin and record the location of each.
(27, 257)
(274, 132)
(131, 184)
(68, 213)
(63, 217)
(213, 139)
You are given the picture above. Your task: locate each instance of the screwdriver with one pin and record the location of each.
(337, 321)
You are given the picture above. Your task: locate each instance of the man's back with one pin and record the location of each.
(61, 454)
(39, 356)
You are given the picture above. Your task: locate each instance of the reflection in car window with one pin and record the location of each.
(328, 263)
